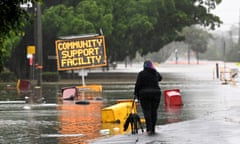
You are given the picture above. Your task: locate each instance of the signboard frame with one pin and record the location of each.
(80, 53)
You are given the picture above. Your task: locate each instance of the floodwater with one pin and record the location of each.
(64, 122)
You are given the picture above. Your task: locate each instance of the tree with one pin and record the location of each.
(129, 26)
(197, 39)
(146, 26)
(7, 46)
(13, 20)
(84, 18)
(12, 16)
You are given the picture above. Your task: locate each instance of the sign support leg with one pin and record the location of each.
(83, 78)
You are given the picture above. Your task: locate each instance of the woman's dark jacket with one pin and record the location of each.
(147, 81)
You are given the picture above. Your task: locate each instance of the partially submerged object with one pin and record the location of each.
(69, 93)
(117, 113)
(82, 94)
(173, 97)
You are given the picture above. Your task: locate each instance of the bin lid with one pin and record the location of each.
(173, 93)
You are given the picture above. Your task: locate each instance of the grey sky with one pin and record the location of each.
(229, 12)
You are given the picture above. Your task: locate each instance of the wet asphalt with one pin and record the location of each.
(210, 111)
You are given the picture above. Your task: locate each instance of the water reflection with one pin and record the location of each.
(70, 123)
(113, 128)
(174, 113)
(79, 119)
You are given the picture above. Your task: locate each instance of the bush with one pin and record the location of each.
(50, 76)
(7, 77)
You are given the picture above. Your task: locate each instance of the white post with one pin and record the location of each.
(83, 78)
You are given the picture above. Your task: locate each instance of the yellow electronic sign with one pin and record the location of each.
(81, 53)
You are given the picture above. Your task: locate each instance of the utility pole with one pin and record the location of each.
(189, 52)
(38, 43)
(224, 61)
(239, 29)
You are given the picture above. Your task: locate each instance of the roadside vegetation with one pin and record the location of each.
(131, 28)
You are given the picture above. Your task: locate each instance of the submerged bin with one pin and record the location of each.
(173, 97)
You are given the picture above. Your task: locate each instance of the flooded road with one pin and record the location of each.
(210, 113)
(67, 123)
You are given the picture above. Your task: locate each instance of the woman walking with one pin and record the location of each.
(148, 92)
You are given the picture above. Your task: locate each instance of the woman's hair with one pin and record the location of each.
(148, 64)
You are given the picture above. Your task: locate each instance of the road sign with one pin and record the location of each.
(84, 52)
(31, 49)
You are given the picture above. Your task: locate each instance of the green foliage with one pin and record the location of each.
(9, 43)
(233, 54)
(153, 24)
(129, 26)
(213, 52)
(12, 16)
(50, 76)
(12, 23)
(196, 38)
(84, 18)
(7, 77)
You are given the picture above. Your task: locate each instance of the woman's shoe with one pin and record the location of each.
(150, 133)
